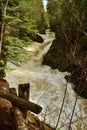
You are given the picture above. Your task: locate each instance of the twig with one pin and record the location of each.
(72, 122)
(73, 112)
(61, 107)
(46, 112)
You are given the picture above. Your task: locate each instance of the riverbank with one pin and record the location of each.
(71, 58)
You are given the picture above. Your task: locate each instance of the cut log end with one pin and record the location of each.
(24, 90)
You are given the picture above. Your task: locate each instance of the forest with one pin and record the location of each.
(69, 50)
(24, 24)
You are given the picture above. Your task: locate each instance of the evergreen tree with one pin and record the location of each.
(23, 18)
(68, 18)
(19, 23)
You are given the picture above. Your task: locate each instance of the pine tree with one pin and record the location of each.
(22, 25)
(19, 23)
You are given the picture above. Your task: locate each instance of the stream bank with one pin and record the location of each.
(62, 57)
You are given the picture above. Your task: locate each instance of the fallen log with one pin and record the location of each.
(20, 102)
(14, 114)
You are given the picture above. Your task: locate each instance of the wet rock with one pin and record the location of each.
(39, 38)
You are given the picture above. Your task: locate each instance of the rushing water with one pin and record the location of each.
(50, 89)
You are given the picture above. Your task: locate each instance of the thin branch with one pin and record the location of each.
(72, 122)
(61, 107)
(73, 112)
(46, 112)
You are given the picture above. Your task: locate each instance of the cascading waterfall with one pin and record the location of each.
(50, 89)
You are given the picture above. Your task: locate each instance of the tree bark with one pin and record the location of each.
(19, 121)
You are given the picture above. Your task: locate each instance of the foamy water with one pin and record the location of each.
(48, 88)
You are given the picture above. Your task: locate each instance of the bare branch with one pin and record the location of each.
(73, 112)
(61, 107)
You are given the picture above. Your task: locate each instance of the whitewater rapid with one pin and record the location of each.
(49, 88)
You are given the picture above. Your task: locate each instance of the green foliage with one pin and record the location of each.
(29, 27)
(1, 63)
(13, 2)
(68, 18)
(18, 55)
(13, 20)
(16, 42)
(2, 69)
(23, 21)
(69, 21)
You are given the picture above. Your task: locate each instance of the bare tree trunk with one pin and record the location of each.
(3, 26)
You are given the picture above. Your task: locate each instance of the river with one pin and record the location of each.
(50, 89)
